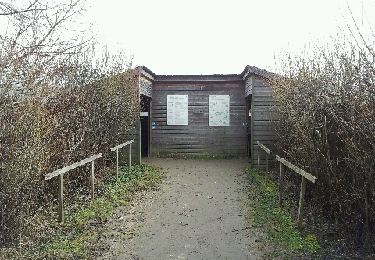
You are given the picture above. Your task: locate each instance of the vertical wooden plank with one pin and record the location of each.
(130, 157)
(266, 162)
(116, 163)
(138, 156)
(252, 146)
(149, 129)
(281, 184)
(301, 202)
(92, 180)
(61, 198)
(258, 157)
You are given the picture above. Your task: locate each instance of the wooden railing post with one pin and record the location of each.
(130, 157)
(281, 184)
(301, 202)
(304, 176)
(117, 163)
(116, 148)
(60, 173)
(61, 198)
(92, 180)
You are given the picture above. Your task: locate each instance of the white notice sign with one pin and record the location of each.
(218, 110)
(177, 109)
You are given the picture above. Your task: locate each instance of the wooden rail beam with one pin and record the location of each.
(268, 152)
(122, 145)
(304, 176)
(71, 167)
(60, 173)
(296, 169)
(264, 148)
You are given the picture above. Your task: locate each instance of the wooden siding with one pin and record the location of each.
(263, 115)
(198, 137)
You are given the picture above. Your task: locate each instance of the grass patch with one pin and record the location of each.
(74, 238)
(278, 223)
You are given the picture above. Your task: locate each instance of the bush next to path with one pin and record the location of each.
(60, 101)
(326, 102)
(76, 238)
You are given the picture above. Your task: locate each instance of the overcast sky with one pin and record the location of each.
(204, 36)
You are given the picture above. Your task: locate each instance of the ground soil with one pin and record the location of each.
(197, 212)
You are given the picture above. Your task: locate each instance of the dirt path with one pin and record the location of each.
(198, 213)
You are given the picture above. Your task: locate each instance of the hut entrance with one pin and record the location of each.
(145, 125)
(144, 135)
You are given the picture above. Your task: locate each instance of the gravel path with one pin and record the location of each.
(198, 212)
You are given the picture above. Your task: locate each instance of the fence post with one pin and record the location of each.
(61, 198)
(258, 157)
(92, 180)
(130, 157)
(301, 202)
(117, 163)
(281, 184)
(267, 162)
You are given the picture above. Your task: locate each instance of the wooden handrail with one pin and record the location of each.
(60, 173)
(264, 148)
(122, 145)
(72, 166)
(296, 169)
(268, 152)
(304, 175)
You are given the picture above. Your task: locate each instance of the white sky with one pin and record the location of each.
(207, 36)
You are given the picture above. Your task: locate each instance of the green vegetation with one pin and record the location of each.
(278, 223)
(74, 238)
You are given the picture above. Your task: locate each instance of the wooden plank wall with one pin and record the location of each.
(198, 137)
(263, 116)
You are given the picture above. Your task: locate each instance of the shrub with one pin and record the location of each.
(58, 104)
(326, 103)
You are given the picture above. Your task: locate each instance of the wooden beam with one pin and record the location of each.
(138, 149)
(130, 157)
(116, 163)
(121, 145)
(296, 169)
(92, 179)
(72, 166)
(264, 148)
(61, 198)
(282, 168)
(301, 202)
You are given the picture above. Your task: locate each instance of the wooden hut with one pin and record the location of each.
(205, 115)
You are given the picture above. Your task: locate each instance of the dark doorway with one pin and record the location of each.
(145, 125)
(144, 136)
